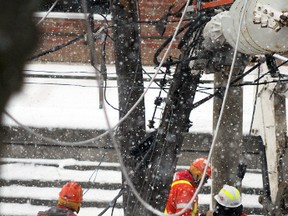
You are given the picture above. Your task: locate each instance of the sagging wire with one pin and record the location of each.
(48, 12)
(198, 27)
(105, 97)
(61, 46)
(56, 48)
(84, 142)
(222, 106)
(50, 140)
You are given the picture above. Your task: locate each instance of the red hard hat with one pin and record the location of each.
(200, 164)
(71, 192)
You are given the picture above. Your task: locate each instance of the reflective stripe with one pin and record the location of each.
(228, 194)
(195, 209)
(182, 205)
(181, 182)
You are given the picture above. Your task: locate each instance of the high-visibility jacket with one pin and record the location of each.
(57, 211)
(181, 192)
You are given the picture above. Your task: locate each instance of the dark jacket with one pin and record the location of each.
(221, 210)
(57, 211)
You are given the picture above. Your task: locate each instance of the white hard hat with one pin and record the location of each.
(229, 197)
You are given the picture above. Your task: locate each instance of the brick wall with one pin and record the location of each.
(57, 31)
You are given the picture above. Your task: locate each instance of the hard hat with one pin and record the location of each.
(72, 192)
(71, 196)
(229, 197)
(200, 164)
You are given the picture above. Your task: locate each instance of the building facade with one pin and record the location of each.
(62, 34)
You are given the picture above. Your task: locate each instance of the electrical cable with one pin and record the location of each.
(218, 90)
(169, 39)
(50, 140)
(61, 46)
(159, 85)
(105, 97)
(56, 48)
(270, 71)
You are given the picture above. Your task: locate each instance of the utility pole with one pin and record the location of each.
(130, 88)
(228, 144)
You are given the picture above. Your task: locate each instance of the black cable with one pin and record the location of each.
(105, 98)
(56, 48)
(168, 40)
(271, 71)
(218, 90)
(145, 72)
(187, 35)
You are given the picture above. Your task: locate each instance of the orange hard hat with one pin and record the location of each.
(200, 164)
(71, 192)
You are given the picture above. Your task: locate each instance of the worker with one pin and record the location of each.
(228, 203)
(183, 188)
(69, 201)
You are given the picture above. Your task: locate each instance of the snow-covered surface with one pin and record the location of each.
(39, 169)
(30, 210)
(74, 103)
(61, 15)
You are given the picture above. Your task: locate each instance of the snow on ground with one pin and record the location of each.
(38, 169)
(30, 210)
(74, 103)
